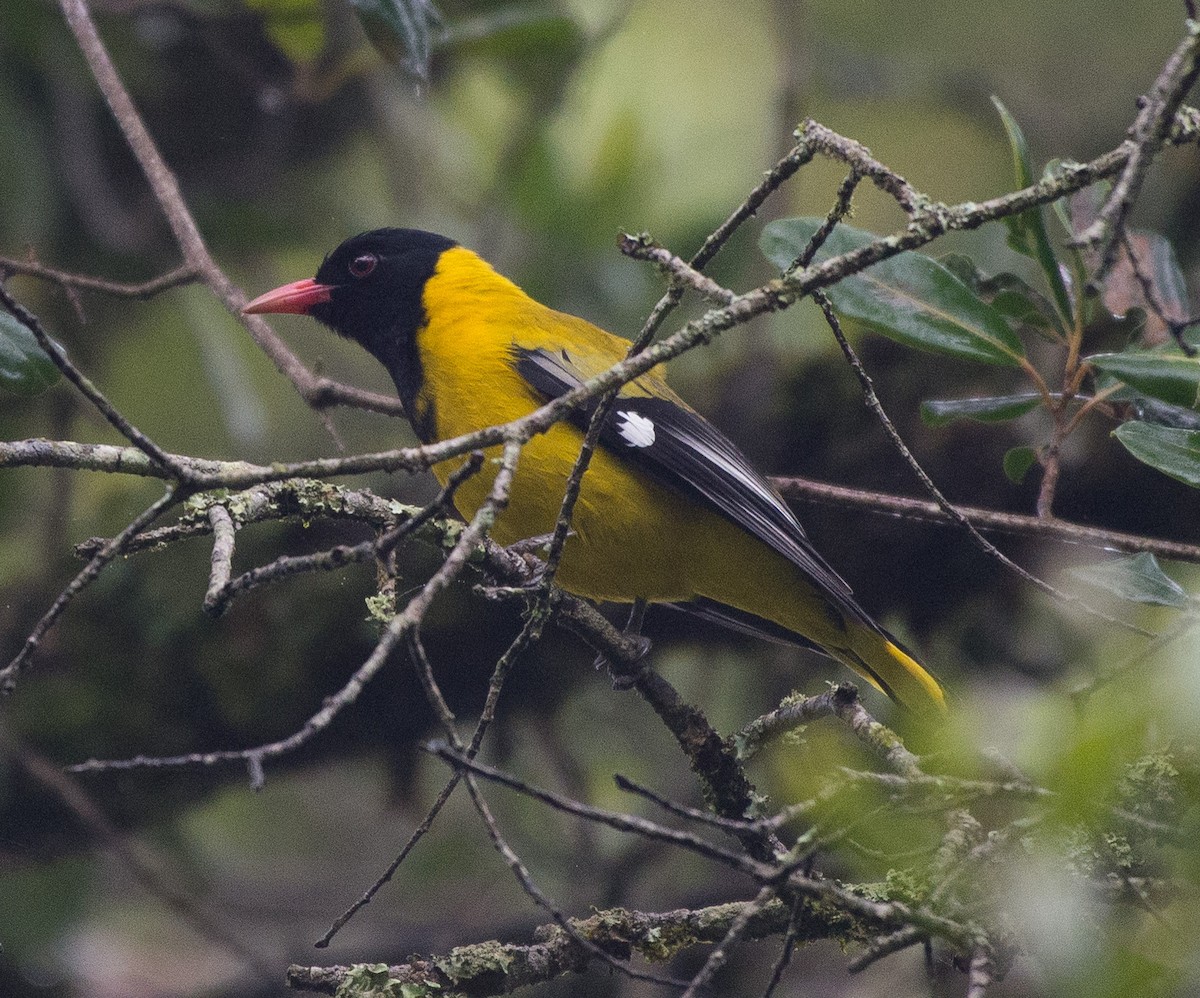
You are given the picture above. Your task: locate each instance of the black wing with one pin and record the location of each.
(744, 623)
(681, 449)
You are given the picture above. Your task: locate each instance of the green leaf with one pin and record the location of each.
(910, 298)
(514, 32)
(1006, 293)
(1171, 450)
(1023, 308)
(25, 369)
(1150, 410)
(296, 27)
(995, 409)
(402, 31)
(1171, 377)
(964, 268)
(1137, 579)
(1017, 463)
(1027, 231)
(1156, 258)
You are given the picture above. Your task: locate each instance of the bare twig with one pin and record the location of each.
(980, 976)
(434, 695)
(681, 273)
(89, 391)
(785, 952)
(1147, 136)
(224, 538)
(726, 787)
(857, 156)
(839, 210)
(127, 854)
(793, 714)
(884, 742)
(222, 593)
(793, 160)
(927, 483)
(720, 953)
(318, 392)
(984, 519)
(732, 825)
(613, 819)
(11, 672)
(121, 289)
(886, 945)
(503, 665)
(469, 540)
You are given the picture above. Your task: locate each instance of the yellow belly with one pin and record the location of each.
(627, 540)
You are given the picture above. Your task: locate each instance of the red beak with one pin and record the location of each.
(296, 298)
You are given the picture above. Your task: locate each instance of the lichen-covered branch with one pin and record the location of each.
(492, 968)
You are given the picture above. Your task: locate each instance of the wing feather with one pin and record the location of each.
(681, 449)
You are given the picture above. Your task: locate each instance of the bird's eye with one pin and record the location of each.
(363, 264)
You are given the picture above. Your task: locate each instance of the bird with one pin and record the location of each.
(669, 511)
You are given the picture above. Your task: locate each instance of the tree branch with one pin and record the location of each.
(316, 391)
(493, 968)
(121, 289)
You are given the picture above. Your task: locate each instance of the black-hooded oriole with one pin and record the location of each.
(670, 511)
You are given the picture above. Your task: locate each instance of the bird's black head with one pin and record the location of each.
(369, 289)
(375, 282)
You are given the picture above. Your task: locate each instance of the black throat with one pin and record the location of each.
(384, 310)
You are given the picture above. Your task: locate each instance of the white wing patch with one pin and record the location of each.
(636, 430)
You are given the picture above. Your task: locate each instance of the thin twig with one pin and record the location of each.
(980, 541)
(1016, 524)
(980, 975)
(780, 173)
(720, 953)
(793, 714)
(469, 540)
(613, 819)
(121, 289)
(858, 156)
(521, 872)
(503, 666)
(224, 539)
(90, 572)
(89, 391)
(678, 270)
(785, 952)
(318, 392)
(1149, 133)
(441, 709)
(884, 742)
(732, 825)
(886, 945)
(127, 854)
(839, 210)
(219, 597)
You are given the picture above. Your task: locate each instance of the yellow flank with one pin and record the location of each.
(632, 538)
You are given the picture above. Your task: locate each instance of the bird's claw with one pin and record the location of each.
(626, 677)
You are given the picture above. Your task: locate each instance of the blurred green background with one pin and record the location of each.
(541, 132)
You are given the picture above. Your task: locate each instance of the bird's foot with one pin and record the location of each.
(535, 570)
(624, 676)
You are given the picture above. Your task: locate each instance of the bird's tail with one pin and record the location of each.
(881, 660)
